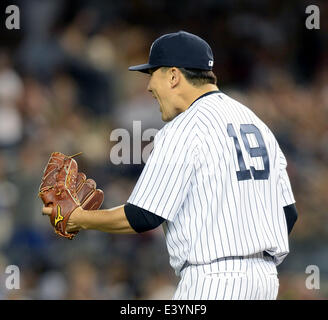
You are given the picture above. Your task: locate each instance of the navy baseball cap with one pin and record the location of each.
(180, 49)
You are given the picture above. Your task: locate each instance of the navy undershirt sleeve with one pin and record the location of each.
(291, 216)
(140, 219)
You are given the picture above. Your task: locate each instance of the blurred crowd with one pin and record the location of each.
(64, 86)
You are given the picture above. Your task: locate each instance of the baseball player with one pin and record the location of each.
(216, 181)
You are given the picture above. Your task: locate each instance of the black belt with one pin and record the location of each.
(187, 264)
(266, 254)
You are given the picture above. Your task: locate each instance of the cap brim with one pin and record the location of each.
(142, 67)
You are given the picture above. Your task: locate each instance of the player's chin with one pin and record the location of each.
(166, 118)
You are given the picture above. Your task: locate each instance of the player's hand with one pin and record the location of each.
(72, 224)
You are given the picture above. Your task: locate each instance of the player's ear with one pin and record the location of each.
(174, 76)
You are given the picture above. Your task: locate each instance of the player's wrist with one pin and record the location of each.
(76, 220)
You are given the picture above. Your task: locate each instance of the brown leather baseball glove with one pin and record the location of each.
(89, 196)
(63, 189)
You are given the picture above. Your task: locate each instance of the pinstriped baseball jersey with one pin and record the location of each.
(217, 175)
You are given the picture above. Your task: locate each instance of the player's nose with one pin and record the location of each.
(149, 87)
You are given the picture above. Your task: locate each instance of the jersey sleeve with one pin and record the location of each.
(166, 178)
(284, 182)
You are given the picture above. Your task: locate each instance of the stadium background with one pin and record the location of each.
(64, 86)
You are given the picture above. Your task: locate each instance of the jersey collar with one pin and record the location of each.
(204, 95)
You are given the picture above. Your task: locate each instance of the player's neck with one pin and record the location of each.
(195, 92)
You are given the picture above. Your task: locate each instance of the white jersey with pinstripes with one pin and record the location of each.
(218, 176)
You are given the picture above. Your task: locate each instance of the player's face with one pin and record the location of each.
(160, 88)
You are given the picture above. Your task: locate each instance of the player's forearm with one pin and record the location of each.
(107, 220)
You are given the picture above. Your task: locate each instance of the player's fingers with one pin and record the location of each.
(46, 211)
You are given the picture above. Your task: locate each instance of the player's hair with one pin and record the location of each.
(197, 77)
